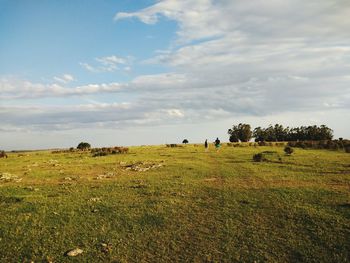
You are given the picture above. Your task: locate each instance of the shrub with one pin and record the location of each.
(172, 145)
(262, 143)
(267, 156)
(259, 157)
(185, 141)
(109, 150)
(83, 146)
(347, 148)
(288, 150)
(3, 154)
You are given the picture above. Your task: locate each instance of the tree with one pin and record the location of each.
(83, 146)
(241, 132)
(259, 134)
(303, 133)
(185, 141)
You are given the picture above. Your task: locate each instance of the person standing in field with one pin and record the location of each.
(206, 145)
(217, 144)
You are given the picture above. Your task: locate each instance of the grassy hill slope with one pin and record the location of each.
(182, 204)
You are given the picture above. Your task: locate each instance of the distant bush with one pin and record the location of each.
(185, 141)
(172, 145)
(262, 143)
(3, 154)
(323, 144)
(259, 157)
(347, 149)
(108, 151)
(288, 150)
(83, 146)
(267, 156)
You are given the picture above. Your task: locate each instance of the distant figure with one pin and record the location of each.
(217, 144)
(206, 145)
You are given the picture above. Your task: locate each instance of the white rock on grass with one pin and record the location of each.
(7, 177)
(74, 252)
(94, 199)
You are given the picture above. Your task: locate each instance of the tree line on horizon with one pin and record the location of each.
(277, 133)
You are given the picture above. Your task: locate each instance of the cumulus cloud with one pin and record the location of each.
(231, 60)
(255, 57)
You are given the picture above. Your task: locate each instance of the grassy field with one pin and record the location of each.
(191, 206)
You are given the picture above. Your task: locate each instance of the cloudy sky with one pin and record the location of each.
(128, 72)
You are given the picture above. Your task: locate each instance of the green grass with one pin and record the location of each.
(197, 207)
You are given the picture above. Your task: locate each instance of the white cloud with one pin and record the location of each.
(258, 61)
(111, 60)
(108, 64)
(175, 113)
(64, 79)
(253, 57)
(88, 67)
(14, 88)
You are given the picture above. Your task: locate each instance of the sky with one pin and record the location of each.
(125, 72)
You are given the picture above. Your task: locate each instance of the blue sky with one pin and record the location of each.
(153, 72)
(42, 39)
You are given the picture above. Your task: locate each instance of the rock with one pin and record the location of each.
(74, 252)
(95, 199)
(7, 177)
(106, 248)
(142, 166)
(107, 175)
(31, 188)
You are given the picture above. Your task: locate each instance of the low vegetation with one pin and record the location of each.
(176, 204)
(288, 150)
(109, 150)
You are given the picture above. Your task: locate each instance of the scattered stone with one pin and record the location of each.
(94, 210)
(27, 172)
(178, 194)
(74, 252)
(53, 162)
(35, 164)
(70, 178)
(55, 213)
(142, 166)
(139, 184)
(31, 188)
(94, 199)
(107, 175)
(7, 177)
(106, 248)
(211, 179)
